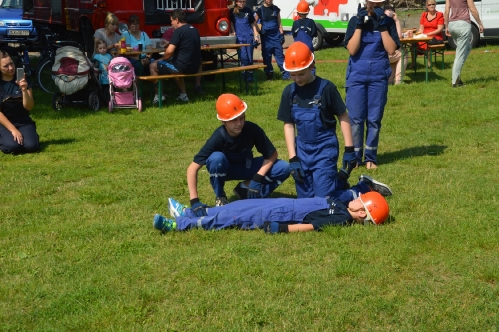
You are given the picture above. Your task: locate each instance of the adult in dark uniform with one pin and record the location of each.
(17, 129)
(272, 36)
(370, 37)
(244, 28)
(363, 202)
(228, 155)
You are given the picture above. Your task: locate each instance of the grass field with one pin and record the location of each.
(78, 251)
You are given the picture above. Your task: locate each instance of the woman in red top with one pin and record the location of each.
(431, 24)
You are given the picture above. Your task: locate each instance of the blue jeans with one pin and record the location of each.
(30, 139)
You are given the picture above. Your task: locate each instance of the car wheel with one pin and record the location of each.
(93, 101)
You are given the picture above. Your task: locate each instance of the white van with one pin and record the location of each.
(489, 14)
(331, 18)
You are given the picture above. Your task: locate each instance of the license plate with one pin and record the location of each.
(18, 33)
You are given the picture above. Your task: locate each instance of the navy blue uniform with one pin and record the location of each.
(367, 86)
(304, 30)
(231, 158)
(244, 35)
(251, 213)
(271, 36)
(11, 106)
(313, 108)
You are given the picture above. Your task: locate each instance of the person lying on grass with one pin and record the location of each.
(361, 203)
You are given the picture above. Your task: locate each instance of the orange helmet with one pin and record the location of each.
(376, 207)
(303, 7)
(229, 107)
(298, 57)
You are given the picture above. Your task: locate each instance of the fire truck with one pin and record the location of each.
(78, 19)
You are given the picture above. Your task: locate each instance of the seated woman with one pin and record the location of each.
(108, 34)
(133, 38)
(17, 129)
(432, 25)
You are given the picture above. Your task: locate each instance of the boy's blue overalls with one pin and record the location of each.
(226, 166)
(304, 37)
(316, 147)
(244, 35)
(366, 93)
(271, 42)
(251, 214)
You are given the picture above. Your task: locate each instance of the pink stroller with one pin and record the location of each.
(122, 76)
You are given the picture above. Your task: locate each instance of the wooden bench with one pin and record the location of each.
(436, 49)
(222, 71)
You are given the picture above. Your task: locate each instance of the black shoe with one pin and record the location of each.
(458, 84)
(221, 201)
(270, 76)
(199, 90)
(379, 187)
(241, 193)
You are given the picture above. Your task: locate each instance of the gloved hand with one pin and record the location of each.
(255, 186)
(380, 21)
(295, 169)
(281, 38)
(343, 175)
(256, 43)
(361, 15)
(198, 208)
(349, 159)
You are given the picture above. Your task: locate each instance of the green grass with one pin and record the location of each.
(78, 251)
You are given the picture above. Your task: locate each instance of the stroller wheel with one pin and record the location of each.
(110, 106)
(57, 101)
(93, 101)
(139, 104)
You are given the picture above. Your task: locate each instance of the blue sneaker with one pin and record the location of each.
(163, 224)
(176, 209)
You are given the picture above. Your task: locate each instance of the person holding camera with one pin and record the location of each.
(17, 129)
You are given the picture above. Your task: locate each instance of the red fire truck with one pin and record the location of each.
(78, 19)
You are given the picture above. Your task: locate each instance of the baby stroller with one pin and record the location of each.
(76, 78)
(122, 76)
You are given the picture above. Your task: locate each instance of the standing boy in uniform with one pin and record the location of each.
(228, 155)
(272, 36)
(371, 36)
(313, 104)
(244, 28)
(361, 203)
(304, 28)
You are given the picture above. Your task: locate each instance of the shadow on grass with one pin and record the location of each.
(45, 144)
(417, 151)
(420, 76)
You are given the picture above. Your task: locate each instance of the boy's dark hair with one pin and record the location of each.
(179, 15)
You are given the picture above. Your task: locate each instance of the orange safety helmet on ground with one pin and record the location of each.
(376, 207)
(303, 7)
(229, 107)
(298, 57)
